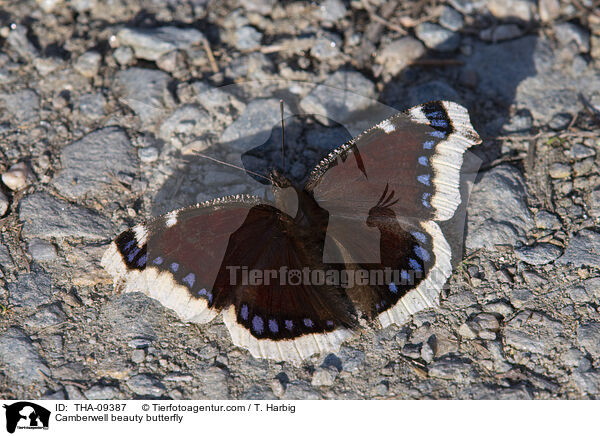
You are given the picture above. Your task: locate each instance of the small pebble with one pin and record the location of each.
(437, 38)
(148, 154)
(42, 251)
(277, 388)
(3, 204)
(451, 19)
(467, 332)
(88, 63)
(546, 220)
(123, 55)
(560, 121)
(138, 355)
(559, 171)
(16, 178)
(324, 377)
(580, 151)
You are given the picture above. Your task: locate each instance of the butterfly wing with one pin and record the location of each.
(201, 260)
(383, 190)
(417, 154)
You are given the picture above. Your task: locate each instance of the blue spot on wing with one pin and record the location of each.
(428, 145)
(415, 265)
(424, 179)
(437, 134)
(189, 279)
(393, 288)
(422, 253)
(423, 161)
(257, 324)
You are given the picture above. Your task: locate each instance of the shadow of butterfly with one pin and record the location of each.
(293, 275)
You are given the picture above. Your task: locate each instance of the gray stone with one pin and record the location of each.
(245, 38)
(253, 127)
(592, 286)
(324, 377)
(253, 66)
(17, 177)
(595, 203)
(215, 384)
(583, 249)
(146, 385)
(579, 151)
(538, 254)
(332, 10)
(560, 121)
(101, 392)
(520, 297)
(21, 362)
(533, 332)
(549, 10)
(92, 106)
(567, 33)
(466, 331)
(73, 392)
(583, 167)
(521, 121)
(46, 316)
(498, 214)
(5, 258)
(18, 41)
(451, 368)
(451, 19)
(89, 162)
(468, 7)
(186, 123)
(578, 294)
(588, 336)
(546, 220)
(588, 383)
(3, 204)
(45, 216)
(352, 359)
(300, 390)
(150, 44)
(133, 316)
(123, 55)
(559, 170)
(144, 91)
(262, 7)
(437, 38)
(339, 96)
(32, 289)
(23, 105)
(147, 154)
(57, 395)
(138, 355)
(88, 63)
(399, 54)
(326, 48)
(502, 32)
(258, 392)
(507, 9)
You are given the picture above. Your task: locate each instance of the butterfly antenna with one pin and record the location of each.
(282, 136)
(230, 165)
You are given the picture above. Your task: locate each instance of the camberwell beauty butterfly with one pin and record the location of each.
(293, 276)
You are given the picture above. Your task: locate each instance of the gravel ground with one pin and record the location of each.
(104, 104)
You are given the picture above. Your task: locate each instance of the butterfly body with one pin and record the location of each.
(293, 276)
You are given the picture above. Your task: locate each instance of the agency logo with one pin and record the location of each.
(26, 415)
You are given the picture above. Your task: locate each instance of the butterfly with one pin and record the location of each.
(294, 275)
